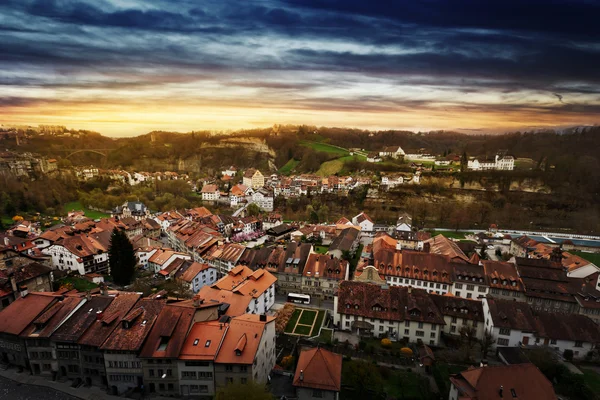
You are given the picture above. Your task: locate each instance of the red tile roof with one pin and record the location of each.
(325, 267)
(250, 326)
(442, 245)
(168, 333)
(503, 275)
(203, 341)
(319, 369)
(526, 380)
(135, 326)
(45, 324)
(78, 323)
(23, 311)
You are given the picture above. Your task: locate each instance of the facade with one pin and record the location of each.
(364, 221)
(33, 277)
(459, 313)
(253, 178)
(388, 311)
(197, 275)
(161, 259)
(500, 162)
(83, 253)
(210, 193)
(322, 275)
(263, 199)
(345, 242)
(133, 209)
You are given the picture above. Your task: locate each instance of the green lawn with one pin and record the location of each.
(288, 167)
(302, 330)
(289, 328)
(80, 284)
(318, 323)
(75, 205)
(591, 257)
(326, 335)
(307, 317)
(321, 249)
(324, 147)
(356, 258)
(592, 379)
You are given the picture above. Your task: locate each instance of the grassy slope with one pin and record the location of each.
(75, 205)
(78, 283)
(327, 148)
(288, 167)
(592, 379)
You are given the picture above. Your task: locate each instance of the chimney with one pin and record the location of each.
(409, 289)
(301, 375)
(263, 317)
(88, 295)
(13, 283)
(501, 390)
(23, 290)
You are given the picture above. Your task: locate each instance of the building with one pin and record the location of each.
(373, 157)
(210, 193)
(388, 311)
(263, 198)
(33, 277)
(442, 245)
(161, 259)
(231, 171)
(345, 243)
(123, 366)
(392, 151)
(520, 247)
(84, 253)
(290, 268)
(518, 381)
(500, 162)
(515, 324)
(253, 178)
(238, 194)
(459, 313)
(161, 350)
(322, 274)
(134, 209)
(197, 275)
(225, 258)
(504, 280)
(318, 374)
(364, 221)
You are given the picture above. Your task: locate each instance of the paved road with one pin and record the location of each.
(12, 390)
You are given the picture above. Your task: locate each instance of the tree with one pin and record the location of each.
(121, 258)
(468, 335)
(464, 160)
(486, 343)
(253, 210)
(363, 381)
(248, 391)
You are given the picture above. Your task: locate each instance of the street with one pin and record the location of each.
(12, 390)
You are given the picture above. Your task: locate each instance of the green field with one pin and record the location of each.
(321, 249)
(592, 379)
(307, 317)
(75, 205)
(305, 322)
(591, 257)
(324, 147)
(288, 167)
(334, 166)
(80, 284)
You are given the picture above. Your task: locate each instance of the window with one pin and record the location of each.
(244, 368)
(317, 394)
(406, 332)
(453, 320)
(432, 335)
(469, 295)
(151, 372)
(457, 294)
(229, 368)
(470, 287)
(578, 344)
(458, 285)
(502, 342)
(505, 331)
(229, 380)
(407, 324)
(420, 325)
(420, 333)
(453, 328)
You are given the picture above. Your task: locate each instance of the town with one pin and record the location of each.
(212, 301)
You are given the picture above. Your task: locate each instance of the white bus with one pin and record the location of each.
(298, 298)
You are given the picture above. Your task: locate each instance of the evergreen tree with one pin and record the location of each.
(121, 258)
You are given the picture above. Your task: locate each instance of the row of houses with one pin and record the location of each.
(370, 307)
(124, 342)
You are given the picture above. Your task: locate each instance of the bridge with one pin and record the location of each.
(102, 152)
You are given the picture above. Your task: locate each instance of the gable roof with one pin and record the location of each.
(442, 245)
(23, 311)
(168, 333)
(318, 368)
(79, 322)
(237, 350)
(526, 380)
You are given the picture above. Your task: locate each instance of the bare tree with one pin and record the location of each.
(486, 343)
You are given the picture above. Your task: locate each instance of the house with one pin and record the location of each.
(459, 313)
(318, 374)
(392, 151)
(263, 198)
(253, 178)
(34, 277)
(123, 366)
(231, 171)
(254, 289)
(387, 311)
(442, 245)
(151, 228)
(518, 381)
(162, 258)
(160, 352)
(520, 247)
(364, 221)
(238, 194)
(470, 281)
(290, 267)
(345, 243)
(412, 240)
(404, 223)
(210, 193)
(500, 162)
(91, 357)
(322, 274)
(84, 253)
(225, 258)
(504, 280)
(134, 209)
(197, 275)
(515, 324)
(280, 232)
(65, 338)
(373, 157)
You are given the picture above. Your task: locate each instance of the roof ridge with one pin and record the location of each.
(327, 366)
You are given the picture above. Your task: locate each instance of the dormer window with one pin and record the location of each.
(434, 273)
(356, 306)
(414, 312)
(505, 282)
(460, 277)
(164, 341)
(494, 281)
(196, 342)
(416, 270)
(425, 272)
(125, 324)
(514, 283)
(347, 305)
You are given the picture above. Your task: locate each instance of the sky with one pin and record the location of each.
(126, 67)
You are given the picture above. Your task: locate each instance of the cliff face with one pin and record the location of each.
(493, 184)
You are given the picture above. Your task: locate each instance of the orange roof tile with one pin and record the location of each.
(319, 369)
